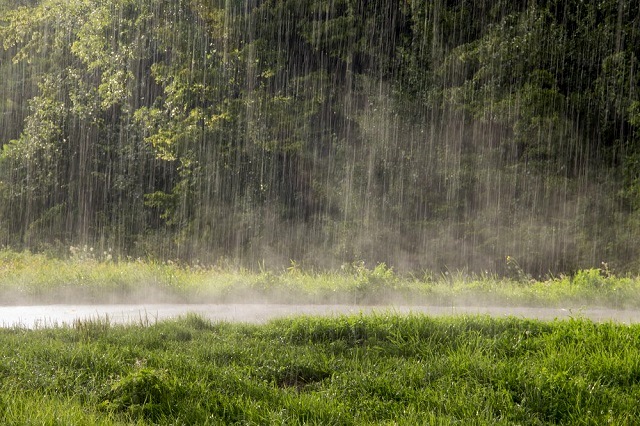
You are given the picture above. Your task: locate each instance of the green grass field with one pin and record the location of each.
(87, 277)
(347, 370)
(366, 369)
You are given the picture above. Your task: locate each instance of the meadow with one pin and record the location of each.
(89, 277)
(374, 369)
(341, 370)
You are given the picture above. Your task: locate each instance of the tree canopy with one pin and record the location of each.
(424, 134)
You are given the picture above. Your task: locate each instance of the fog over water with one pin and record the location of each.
(428, 135)
(67, 315)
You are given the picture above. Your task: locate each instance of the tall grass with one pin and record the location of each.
(87, 277)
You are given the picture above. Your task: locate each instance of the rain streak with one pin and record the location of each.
(481, 136)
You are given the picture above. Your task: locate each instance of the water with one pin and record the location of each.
(428, 135)
(149, 314)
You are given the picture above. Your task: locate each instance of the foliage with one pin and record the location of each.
(417, 134)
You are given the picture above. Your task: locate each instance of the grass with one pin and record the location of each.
(366, 369)
(87, 277)
(376, 369)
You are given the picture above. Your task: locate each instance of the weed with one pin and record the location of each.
(89, 329)
(515, 272)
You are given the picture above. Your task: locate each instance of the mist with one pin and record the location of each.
(427, 135)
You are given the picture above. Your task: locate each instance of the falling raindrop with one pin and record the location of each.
(423, 134)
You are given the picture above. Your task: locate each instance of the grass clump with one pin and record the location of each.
(143, 393)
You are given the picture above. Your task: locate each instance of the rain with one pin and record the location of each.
(477, 136)
(319, 211)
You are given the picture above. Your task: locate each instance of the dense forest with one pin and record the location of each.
(427, 134)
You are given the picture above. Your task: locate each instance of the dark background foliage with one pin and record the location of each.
(424, 134)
